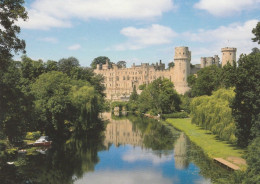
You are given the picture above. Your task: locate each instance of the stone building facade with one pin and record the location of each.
(119, 82)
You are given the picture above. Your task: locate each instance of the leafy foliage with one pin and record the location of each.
(100, 60)
(253, 160)
(213, 113)
(256, 32)
(10, 12)
(246, 105)
(121, 64)
(159, 97)
(207, 81)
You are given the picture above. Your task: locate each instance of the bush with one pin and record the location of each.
(176, 115)
(33, 135)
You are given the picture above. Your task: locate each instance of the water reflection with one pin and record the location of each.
(180, 152)
(131, 150)
(121, 132)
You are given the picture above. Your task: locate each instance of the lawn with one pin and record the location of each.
(212, 146)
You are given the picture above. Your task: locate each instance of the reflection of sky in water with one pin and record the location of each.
(134, 165)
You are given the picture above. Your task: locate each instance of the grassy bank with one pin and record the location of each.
(211, 145)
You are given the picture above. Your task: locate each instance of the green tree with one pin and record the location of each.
(100, 60)
(208, 80)
(31, 69)
(255, 50)
(228, 75)
(53, 105)
(252, 175)
(15, 106)
(66, 65)
(121, 64)
(51, 66)
(10, 12)
(171, 64)
(256, 32)
(246, 105)
(134, 95)
(213, 113)
(159, 97)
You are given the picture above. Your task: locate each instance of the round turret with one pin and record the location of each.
(228, 55)
(182, 59)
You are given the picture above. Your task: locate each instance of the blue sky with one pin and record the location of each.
(137, 31)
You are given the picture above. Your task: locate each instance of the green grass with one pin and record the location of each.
(211, 145)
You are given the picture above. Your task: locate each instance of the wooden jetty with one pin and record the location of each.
(227, 164)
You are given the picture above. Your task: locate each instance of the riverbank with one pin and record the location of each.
(211, 145)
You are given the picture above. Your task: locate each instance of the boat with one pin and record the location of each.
(43, 141)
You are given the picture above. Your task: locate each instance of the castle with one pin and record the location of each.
(119, 82)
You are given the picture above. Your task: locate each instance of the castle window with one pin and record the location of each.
(230, 54)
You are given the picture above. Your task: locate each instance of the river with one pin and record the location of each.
(131, 150)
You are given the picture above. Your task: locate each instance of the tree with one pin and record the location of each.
(208, 80)
(31, 69)
(159, 97)
(256, 32)
(171, 64)
(15, 105)
(66, 65)
(100, 60)
(121, 64)
(134, 95)
(53, 105)
(10, 12)
(255, 50)
(253, 161)
(227, 76)
(246, 105)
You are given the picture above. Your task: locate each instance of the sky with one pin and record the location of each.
(137, 31)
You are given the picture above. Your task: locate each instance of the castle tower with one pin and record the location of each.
(202, 62)
(228, 55)
(182, 59)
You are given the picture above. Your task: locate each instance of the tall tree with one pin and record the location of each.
(256, 32)
(246, 105)
(10, 12)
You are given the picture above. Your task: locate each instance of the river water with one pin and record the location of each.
(131, 150)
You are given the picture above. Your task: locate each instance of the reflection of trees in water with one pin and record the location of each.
(66, 161)
(208, 169)
(155, 135)
(180, 152)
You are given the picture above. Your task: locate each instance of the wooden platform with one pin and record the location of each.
(227, 164)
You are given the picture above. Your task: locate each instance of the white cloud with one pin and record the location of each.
(234, 35)
(146, 155)
(42, 21)
(226, 7)
(125, 177)
(144, 37)
(49, 39)
(45, 14)
(74, 47)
